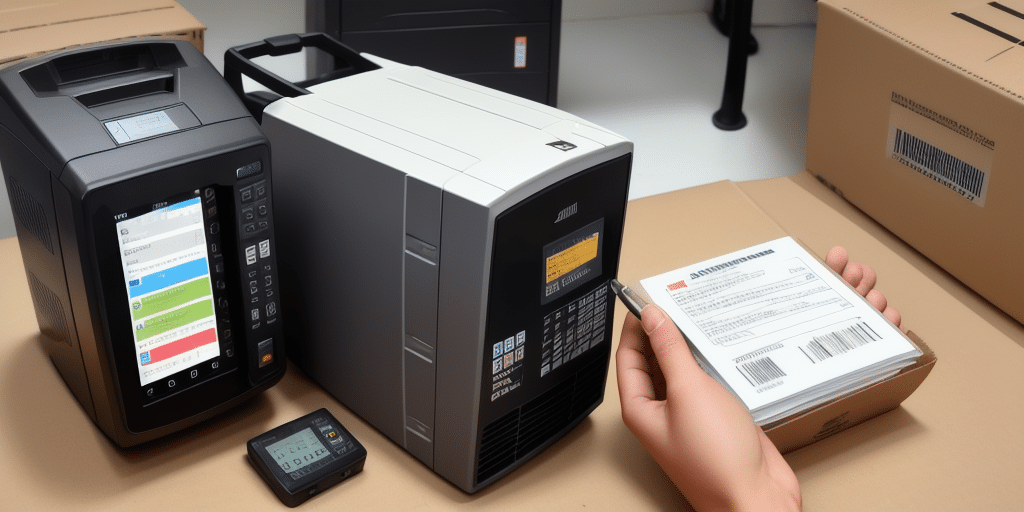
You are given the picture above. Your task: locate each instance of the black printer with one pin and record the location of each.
(141, 194)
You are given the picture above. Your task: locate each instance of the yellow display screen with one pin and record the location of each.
(563, 262)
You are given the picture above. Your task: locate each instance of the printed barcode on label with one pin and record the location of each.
(939, 162)
(761, 371)
(839, 342)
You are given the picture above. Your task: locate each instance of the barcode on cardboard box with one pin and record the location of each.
(938, 164)
(940, 148)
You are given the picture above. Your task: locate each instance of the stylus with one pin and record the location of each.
(628, 297)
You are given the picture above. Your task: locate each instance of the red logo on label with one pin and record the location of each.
(675, 286)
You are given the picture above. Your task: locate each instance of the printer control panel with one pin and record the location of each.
(258, 265)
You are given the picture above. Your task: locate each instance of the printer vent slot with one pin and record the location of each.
(52, 323)
(30, 213)
(541, 420)
(498, 446)
(127, 91)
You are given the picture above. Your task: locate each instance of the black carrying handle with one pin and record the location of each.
(238, 62)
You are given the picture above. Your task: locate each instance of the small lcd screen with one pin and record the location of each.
(140, 127)
(170, 295)
(297, 451)
(572, 260)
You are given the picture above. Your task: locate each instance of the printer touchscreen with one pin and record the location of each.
(170, 290)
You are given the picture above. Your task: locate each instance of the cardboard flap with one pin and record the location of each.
(28, 29)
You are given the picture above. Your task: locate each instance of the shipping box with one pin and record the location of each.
(917, 118)
(29, 27)
(721, 219)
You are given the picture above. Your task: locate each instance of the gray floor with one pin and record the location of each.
(654, 79)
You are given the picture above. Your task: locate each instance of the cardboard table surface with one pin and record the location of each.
(955, 444)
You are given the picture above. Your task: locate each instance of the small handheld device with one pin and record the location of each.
(306, 456)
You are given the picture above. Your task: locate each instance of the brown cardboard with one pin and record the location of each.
(29, 27)
(837, 415)
(740, 223)
(954, 444)
(950, 74)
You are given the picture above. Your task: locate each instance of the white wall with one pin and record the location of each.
(230, 24)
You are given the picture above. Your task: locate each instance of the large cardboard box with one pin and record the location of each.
(29, 27)
(917, 118)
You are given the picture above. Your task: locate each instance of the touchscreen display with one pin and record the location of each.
(297, 451)
(170, 296)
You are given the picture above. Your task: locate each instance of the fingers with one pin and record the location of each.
(893, 315)
(631, 370)
(877, 299)
(673, 354)
(863, 278)
(837, 258)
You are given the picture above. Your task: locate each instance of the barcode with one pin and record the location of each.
(839, 342)
(761, 371)
(938, 162)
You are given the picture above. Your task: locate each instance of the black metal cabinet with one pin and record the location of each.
(508, 45)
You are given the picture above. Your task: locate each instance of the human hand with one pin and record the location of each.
(863, 278)
(699, 433)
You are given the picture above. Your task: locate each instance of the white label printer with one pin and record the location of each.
(446, 251)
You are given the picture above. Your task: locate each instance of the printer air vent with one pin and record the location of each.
(30, 213)
(53, 322)
(541, 420)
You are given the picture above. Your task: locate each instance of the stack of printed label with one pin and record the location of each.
(779, 329)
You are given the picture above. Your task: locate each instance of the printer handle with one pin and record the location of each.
(238, 62)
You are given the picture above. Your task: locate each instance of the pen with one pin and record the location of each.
(628, 297)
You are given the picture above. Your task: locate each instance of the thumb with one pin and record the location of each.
(668, 343)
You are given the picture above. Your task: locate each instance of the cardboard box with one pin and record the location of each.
(29, 27)
(735, 222)
(917, 110)
(832, 417)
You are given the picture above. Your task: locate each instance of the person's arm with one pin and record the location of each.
(701, 435)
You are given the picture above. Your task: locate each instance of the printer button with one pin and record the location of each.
(249, 170)
(265, 352)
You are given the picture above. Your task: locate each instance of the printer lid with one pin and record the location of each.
(492, 136)
(96, 98)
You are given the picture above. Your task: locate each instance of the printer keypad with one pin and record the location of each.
(259, 272)
(255, 208)
(260, 286)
